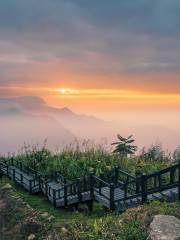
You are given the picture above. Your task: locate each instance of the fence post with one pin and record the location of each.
(14, 174)
(84, 184)
(125, 190)
(179, 181)
(79, 190)
(137, 184)
(7, 167)
(65, 195)
(20, 166)
(30, 186)
(64, 181)
(54, 197)
(111, 196)
(39, 182)
(91, 185)
(155, 181)
(34, 164)
(55, 175)
(100, 185)
(159, 180)
(21, 179)
(12, 161)
(143, 188)
(1, 173)
(116, 175)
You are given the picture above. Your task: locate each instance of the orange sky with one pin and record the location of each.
(102, 102)
(117, 60)
(113, 55)
(92, 92)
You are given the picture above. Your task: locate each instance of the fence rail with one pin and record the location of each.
(145, 185)
(110, 188)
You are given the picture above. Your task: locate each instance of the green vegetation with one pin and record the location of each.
(68, 224)
(124, 146)
(79, 159)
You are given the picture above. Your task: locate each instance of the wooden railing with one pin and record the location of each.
(117, 176)
(104, 186)
(99, 184)
(60, 178)
(19, 177)
(71, 189)
(19, 164)
(152, 183)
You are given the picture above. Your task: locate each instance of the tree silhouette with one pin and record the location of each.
(124, 146)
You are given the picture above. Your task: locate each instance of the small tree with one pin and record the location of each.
(124, 146)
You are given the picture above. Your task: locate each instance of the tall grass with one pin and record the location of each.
(80, 158)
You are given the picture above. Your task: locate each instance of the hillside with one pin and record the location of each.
(22, 215)
(34, 213)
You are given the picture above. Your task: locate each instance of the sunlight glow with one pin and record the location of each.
(67, 91)
(114, 94)
(63, 90)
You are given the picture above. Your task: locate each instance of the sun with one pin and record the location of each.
(63, 90)
(67, 91)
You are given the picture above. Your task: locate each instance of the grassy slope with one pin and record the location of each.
(70, 225)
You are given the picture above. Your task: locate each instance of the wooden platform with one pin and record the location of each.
(103, 195)
(170, 195)
(55, 193)
(29, 182)
(109, 191)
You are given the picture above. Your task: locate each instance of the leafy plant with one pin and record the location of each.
(124, 146)
(81, 158)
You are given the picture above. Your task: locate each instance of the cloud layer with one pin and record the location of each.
(90, 38)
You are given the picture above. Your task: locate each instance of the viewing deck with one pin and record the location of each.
(115, 190)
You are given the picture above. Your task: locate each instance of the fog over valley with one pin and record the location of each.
(31, 120)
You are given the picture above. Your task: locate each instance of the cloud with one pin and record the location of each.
(91, 37)
(156, 16)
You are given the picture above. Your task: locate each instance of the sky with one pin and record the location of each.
(98, 57)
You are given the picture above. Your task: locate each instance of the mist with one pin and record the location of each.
(31, 120)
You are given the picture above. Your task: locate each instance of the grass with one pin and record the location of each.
(81, 159)
(80, 225)
(68, 224)
(41, 203)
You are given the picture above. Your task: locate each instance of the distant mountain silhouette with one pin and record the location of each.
(30, 119)
(37, 105)
(8, 107)
(80, 125)
(18, 125)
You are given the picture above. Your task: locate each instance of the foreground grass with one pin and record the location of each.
(81, 159)
(68, 224)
